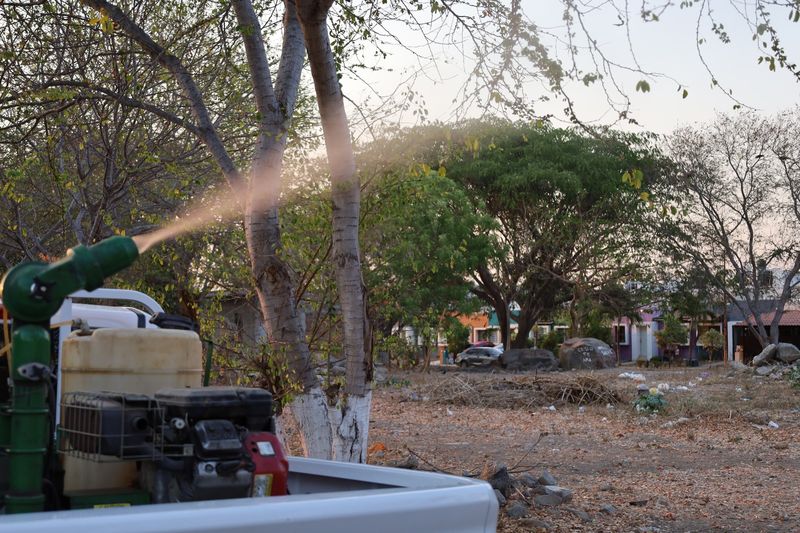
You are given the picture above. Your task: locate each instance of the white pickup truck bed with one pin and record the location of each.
(326, 496)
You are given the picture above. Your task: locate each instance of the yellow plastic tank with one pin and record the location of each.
(124, 360)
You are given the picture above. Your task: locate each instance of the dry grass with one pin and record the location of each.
(520, 392)
(709, 472)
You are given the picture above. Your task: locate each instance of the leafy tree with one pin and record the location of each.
(713, 341)
(672, 335)
(457, 335)
(689, 292)
(570, 210)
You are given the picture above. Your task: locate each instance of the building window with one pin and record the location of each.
(620, 333)
(702, 328)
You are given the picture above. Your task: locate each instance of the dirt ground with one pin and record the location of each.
(725, 469)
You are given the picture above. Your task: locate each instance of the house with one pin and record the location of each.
(637, 340)
(741, 335)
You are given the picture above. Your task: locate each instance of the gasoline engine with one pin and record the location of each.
(188, 444)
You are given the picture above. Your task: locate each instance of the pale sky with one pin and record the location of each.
(666, 46)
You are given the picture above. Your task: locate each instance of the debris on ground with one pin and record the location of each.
(685, 462)
(635, 376)
(521, 392)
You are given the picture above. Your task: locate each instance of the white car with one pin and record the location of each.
(478, 356)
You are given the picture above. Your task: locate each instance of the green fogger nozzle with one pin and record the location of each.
(33, 292)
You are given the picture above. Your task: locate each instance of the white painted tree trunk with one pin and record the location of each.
(339, 432)
(310, 410)
(350, 423)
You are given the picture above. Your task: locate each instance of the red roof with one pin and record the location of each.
(790, 317)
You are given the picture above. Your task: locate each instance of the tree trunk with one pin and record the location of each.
(284, 324)
(693, 340)
(350, 439)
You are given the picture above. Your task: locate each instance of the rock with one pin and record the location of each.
(788, 353)
(517, 509)
(547, 500)
(380, 374)
(608, 487)
(538, 489)
(529, 359)
(586, 352)
(672, 423)
(607, 508)
(500, 498)
(534, 523)
(409, 463)
(638, 503)
(739, 367)
(766, 355)
(338, 370)
(547, 479)
(635, 376)
(527, 480)
(500, 480)
(765, 370)
(563, 493)
(580, 513)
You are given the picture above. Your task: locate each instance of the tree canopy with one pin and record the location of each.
(571, 210)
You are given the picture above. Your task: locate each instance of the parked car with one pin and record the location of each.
(478, 356)
(482, 344)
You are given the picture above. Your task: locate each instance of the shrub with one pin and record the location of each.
(551, 341)
(713, 341)
(652, 402)
(794, 377)
(457, 335)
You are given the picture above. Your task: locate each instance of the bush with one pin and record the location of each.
(794, 377)
(652, 402)
(713, 341)
(672, 334)
(457, 335)
(551, 341)
(402, 354)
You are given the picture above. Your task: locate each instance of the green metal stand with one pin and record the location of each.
(29, 421)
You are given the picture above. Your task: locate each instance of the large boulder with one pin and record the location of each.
(766, 355)
(788, 353)
(586, 352)
(529, 359)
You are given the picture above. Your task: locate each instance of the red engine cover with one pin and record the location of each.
(272, 469)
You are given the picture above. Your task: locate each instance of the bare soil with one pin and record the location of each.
(724, 469)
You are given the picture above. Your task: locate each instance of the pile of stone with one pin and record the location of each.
(519, 494)
(530, 359)
(775, 360)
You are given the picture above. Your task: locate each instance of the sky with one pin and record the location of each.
(667, 46)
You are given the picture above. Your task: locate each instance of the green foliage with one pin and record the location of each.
(457, 335)
(551, 340)
(672, 334)
(597, 326)
(402, 354)
(421, 237)
(713, 341)
(794, 377)
(570, 209)
(652, 402)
